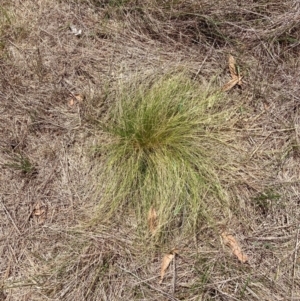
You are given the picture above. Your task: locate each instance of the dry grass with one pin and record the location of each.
(45, 148)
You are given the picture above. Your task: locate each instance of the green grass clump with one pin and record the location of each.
(22, 163)
(163, 142)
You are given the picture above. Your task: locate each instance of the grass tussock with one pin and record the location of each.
(162, 138)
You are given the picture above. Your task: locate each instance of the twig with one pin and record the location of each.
(295, 262)
(151, 286)
(21, 50)
(259, 146)
(174, 274)
(8, 214)
(270, 238)
(225, 294)
(209, 52)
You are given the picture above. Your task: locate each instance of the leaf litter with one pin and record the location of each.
(232, 243)
(236, 76)
(39, 212)
(166, 262)
(75, 98)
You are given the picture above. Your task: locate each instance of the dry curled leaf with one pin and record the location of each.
(232, 243)
(79, 97)
(228, 86)
(232, 66)
(76, 98)
(39, 212)
(166, 262)
(152, 220)
(71, 102)
(75, 31)
(236, 76)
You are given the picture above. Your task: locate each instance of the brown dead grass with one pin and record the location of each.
(42, 64)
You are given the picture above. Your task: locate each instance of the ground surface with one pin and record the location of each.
(47, 179)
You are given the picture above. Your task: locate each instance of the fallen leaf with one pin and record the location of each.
(40, 212)
(38, 209)
(236, 77)
(75, 98)
(152, 220)
(71, 102)
(166, 262)
(232, 66)
(230, 84)
(79, 97)
(232, 243)
(75, 31)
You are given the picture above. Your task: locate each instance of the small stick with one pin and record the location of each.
(8, 214)
(174, 274)
(151, 286)
(206, 57)
(270, 238)
(295, 262)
